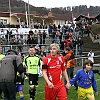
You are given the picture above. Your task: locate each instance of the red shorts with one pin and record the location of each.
(57, 92)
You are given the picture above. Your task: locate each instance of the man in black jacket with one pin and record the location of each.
(10, 65)
(31, 40)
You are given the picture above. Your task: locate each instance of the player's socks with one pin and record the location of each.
(21, 98)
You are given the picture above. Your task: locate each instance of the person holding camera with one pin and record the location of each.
(91, 55)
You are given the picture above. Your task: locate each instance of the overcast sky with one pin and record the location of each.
(62, 3)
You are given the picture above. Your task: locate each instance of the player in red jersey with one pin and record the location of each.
(52, 69)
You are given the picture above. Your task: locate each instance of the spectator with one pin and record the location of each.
(17, 34)
(13, 43)
(39, 40)
(20, 44)
(80, 45)
(91, 55)
(88, 29)
(57, 40)
(50, 28)
(31, 41)
(70, 64)
(1, 56)
(53, 34)
(42, 54)
(35, 33)
(74, 44)
(77, 32)
(67, 43)
(44, 37)
(3, 42)
(31, 32)
(62, 45)
(8, 35)
(66, 35)
(2, 33)
(40, 33)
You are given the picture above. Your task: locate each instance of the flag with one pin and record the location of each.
(88, 15)
(72, 17)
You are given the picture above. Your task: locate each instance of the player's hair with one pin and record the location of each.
(11, 52)
(68, 48)
(56, 45)
(86, 62)
(0, 45)
(31, 46)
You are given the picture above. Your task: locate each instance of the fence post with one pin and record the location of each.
(76, 51)
(11, 47)
(82, 61)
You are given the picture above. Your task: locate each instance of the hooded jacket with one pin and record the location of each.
(69, 59)
(10, 64)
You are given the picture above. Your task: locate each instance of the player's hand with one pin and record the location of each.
(27, 73)
(96, 93)
(68, 85)
(50, 85)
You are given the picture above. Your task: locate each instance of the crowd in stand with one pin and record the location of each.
(36, 25)
(65, 36)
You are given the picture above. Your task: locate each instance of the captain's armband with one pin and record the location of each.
(44, 66)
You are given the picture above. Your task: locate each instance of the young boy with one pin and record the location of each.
(20, 85)
(86, 81)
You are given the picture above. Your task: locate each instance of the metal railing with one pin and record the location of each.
(80, 60)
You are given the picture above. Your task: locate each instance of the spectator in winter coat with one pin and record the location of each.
(12, 63)
(80, 45)
(70, 64)
(31, 41)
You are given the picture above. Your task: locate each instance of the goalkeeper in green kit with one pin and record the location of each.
(32, 62)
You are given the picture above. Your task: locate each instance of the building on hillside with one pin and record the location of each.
(13, 18)
(85, 17)
(97, 18)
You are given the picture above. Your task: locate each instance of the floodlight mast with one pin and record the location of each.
(10, 11)
(26, 14)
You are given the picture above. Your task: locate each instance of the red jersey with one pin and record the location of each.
(54, 67)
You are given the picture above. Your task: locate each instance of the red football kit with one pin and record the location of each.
(54, 67)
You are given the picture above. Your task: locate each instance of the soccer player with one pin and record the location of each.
(86, 81)
(53, 67)
(32, 62)
(20, 85)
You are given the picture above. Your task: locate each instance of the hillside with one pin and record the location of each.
(19, 6)
(89, 45)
